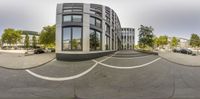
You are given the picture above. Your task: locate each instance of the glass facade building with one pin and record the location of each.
(85, 31)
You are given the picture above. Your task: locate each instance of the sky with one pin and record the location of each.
(178, 18)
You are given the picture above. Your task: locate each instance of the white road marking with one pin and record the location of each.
(130, 67)
(61, 78)
(87, 71)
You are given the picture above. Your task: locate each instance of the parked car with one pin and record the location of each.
(186, 51)
(38, 51)
(177, 50)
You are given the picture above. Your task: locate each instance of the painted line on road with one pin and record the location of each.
(87, 71)
(62, 78)
(133, 57)
(65, 78)
(130, 67)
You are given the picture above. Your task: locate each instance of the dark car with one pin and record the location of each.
(186, 51)
(38, 51)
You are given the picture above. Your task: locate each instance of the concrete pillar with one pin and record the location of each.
(103, 29)
(59, 28)
(86, 28)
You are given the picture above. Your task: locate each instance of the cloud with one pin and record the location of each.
(170, 17)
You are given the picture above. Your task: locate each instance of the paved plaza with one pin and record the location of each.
(123, 75)
(182, 59)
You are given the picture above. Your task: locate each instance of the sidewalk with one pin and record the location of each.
(13, 51)
(182, 59)
(19, 61)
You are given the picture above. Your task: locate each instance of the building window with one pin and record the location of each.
(66, 39)
(107, 29)
(67, 18)
(107, 43)
(72, 38)
(76, 38)
(77, 18)
(72, 18)
(96, 13)
(95, 40)
(92, 20)
(96, 22)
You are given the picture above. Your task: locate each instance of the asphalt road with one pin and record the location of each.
(125, 75)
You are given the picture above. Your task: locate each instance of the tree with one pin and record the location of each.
(11, 36)
(34, 43)
(174, 42)
(26, 42)
(145, 36)
(156, 42)
(194, 40)
(47, 36)
(163, 40)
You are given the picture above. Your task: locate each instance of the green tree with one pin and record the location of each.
(163, 40)
(145, 36)
(174, 42)
(11, 36)
(47, 36)
(34, 43)
(26, 42)
(156, 42)
(194, 40)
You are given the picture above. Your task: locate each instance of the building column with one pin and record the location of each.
(86, 28)
(103, 29)
(59, 28)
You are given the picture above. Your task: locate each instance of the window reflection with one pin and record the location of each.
(72, 18)
(95, 21)
(92, 20)
(76, 41)
(95, 40)
(72, 38)
(67, 18)
(77, 18)
(66, 38)
(107, 43)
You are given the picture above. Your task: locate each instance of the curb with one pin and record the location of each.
(29, 67)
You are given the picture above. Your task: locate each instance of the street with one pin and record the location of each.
(123, 75)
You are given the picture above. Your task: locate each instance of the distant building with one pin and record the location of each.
(20, 45)
(183, 43)
(128, 38)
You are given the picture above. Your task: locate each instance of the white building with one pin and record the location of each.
(128, 38)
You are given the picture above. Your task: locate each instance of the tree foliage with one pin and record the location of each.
(145, 36)
(156, 41)
(47, 36)
(11, 36)
(34, 43)
(27, 41)
(194, 40)
(174, 42)
(163, 40)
